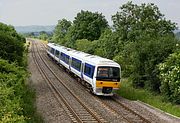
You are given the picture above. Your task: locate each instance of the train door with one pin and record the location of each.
(70, 62)
(82, 70)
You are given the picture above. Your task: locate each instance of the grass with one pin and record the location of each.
(29, 106)
(29, 97)
(127, 91)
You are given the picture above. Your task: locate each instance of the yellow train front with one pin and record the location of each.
(107, 79)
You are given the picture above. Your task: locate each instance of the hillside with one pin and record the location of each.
(34, 28)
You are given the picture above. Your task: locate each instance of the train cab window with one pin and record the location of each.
(114, 72)
(108, 73)
(89, 70)
(57, 53)
(103, 72)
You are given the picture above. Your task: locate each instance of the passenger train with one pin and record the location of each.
(100, 75)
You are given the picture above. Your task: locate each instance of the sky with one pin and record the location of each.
(48, 12)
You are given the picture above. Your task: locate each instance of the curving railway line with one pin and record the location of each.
(75, 108)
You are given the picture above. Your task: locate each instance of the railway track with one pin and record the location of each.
(119, 108)
(75, 108)
(144, 120)
(116, 106)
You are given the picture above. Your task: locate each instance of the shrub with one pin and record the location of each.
(11, 92)
(170, 77)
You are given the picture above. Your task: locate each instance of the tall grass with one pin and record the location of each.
(154, 99)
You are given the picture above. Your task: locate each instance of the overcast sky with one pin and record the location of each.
(48, 12)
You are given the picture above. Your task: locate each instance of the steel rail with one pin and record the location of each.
(90, 111)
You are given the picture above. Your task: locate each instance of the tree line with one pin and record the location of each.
(16, 99)
(140, 40)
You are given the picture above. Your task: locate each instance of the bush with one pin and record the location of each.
(11, 92)
(170, 77)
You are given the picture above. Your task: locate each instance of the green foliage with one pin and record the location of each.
(12, 85)
(139, 60)
(133, 20)
(43, 36)
(70, 40)
(108, 44)
(88, 25)
(61, 30)
(16, 99)
(11, 32)
(85, 46)
(11, 44)
(146, 39)
(170, 77)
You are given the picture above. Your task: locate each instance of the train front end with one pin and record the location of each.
(107, 80)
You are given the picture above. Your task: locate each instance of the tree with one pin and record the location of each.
(61, 30)
(146, 39)
(88, 25)
(133, 20)
(10, 31)
(11, 44)
(85, 46)
(107, 45)
(43, 35)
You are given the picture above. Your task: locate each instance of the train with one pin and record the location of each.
(100, 75)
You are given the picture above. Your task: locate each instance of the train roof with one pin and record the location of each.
(93, 59)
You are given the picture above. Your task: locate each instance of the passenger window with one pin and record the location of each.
(52, 50)
(64, 58)
(57, 53)
(89, 70)
(49, 48)
(67, 59)
(76, 64)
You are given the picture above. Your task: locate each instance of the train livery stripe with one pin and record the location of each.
(107, 84)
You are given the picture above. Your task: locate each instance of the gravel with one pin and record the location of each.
(46, 103)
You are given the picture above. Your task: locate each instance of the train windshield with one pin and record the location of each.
(108, 73)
